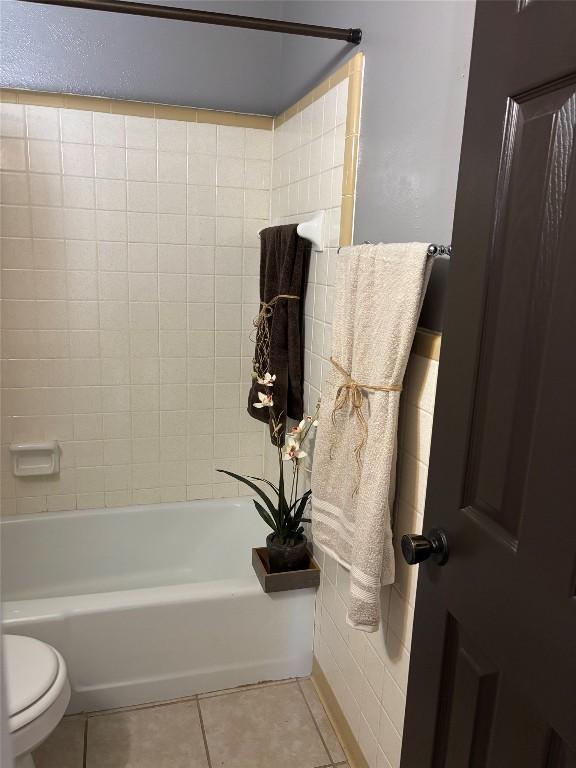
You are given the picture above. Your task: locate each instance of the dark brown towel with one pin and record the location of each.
(284, 260)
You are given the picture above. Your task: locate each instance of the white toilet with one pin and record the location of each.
(38, 693)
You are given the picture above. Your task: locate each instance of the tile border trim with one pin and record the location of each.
(355, 64)
(343, 731)
(427, 344)
(351, 144)
(353, 69)
(136, 108)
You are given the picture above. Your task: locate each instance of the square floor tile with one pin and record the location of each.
(64, 748)
(168, 736)
(322, 721)
(260, 728)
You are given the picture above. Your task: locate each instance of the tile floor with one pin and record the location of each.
(274, 725)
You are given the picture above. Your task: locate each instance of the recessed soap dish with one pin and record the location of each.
(30, 459)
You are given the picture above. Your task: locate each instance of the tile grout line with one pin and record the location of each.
(139, 707)
(203, 733)
(184, 699)
(314, 721)
(243, 688)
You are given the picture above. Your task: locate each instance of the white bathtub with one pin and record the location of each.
(152, 603)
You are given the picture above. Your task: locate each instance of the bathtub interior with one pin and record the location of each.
(73, 553)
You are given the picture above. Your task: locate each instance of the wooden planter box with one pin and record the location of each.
(279, 582)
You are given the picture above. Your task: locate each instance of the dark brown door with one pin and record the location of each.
(493, 667)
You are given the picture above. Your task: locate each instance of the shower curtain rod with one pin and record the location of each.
(353, 36)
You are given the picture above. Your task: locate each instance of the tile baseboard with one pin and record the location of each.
(343, 731)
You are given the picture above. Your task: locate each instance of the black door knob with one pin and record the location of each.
(418, 548)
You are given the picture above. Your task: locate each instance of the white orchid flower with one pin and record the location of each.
(292, 450)
(265, 401)
(299, 428)
(268, 380)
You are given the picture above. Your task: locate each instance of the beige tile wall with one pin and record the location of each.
(368, 672)
(311, 172)
(130, 262)
(307, 177)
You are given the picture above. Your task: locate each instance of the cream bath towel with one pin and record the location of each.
(378, 297)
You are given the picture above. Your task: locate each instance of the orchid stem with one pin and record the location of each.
(294, 471)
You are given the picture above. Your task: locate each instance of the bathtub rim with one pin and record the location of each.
(234, 501)
(91, 603)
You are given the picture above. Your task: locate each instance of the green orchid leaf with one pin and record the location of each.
(283, 510)
(263, 480)
(271, 506)
(306, 496)
(301, 507)
(265, 516)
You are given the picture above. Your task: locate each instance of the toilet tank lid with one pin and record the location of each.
(31, 669)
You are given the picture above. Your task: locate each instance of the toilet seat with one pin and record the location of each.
(38, 691)
(31, 669)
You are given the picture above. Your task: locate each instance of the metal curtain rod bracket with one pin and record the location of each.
(353, 36)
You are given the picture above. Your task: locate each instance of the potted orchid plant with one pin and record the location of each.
(287, 545)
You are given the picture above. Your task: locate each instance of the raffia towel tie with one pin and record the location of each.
(351, 394)
(261, 336)
(267, 308)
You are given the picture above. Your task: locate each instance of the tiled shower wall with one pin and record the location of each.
(308, 171)
(307, 177)
(129, 284)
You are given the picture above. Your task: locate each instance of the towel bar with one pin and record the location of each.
(433, 249)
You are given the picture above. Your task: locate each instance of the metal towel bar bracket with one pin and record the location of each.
(439, 250)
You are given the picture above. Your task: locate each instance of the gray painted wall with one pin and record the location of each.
(129, 57)
(415, 80)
